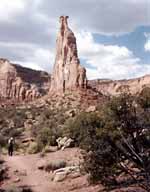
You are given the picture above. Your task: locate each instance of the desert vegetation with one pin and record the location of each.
(116, 141)
(41, 124)
(11, 124)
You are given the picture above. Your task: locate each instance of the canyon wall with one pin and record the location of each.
(21, 84)
(110, 87)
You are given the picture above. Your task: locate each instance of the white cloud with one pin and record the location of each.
(101, 16)
(40, 59)
(9, 9)
(31, 55)
(109, 61)
(43, 58)
(147, 44)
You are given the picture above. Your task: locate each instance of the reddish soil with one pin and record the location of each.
(23, 172)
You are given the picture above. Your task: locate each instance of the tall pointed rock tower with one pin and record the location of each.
(67, 73)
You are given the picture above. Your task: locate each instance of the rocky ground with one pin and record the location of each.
(24, 171)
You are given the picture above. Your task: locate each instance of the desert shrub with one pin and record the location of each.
(47, 136)
(12, 113)
(47, 128)
(53, 165)
(33, 148)
(2, 141)
(100, 158)
(15, 132)
(100, 155)
(100, 162)
(11, 123)
(80, 127)
(144, 98)
(122, 136)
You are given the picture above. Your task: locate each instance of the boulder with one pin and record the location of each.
(64, 142)
(91, 109)
(60, 176)
(67, 172)
(16, 180)
(71, 113)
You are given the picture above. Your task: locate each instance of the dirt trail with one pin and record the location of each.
(23, 171)
(24, 168)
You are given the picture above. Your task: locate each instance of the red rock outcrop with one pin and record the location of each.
(18, 83)
(67, 73)
(110, 87)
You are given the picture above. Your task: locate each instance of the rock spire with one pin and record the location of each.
(67, 73)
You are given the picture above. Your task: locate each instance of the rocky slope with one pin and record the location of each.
(68, 74)
(18, 83)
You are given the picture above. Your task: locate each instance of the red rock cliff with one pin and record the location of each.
(110, 87)
(18, 83)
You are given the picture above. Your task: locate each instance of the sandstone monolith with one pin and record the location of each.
(67, 74)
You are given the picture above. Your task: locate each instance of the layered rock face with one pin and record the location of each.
(109, 87)
(18, 83)
(67, 73)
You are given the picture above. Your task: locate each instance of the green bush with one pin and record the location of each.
(11, 124)
(122, 135)
(144, 98)
(47, 128)
(80, 127)
(47, 136)
(3, 141)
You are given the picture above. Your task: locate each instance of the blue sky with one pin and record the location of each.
(113, 37)
(134, 41)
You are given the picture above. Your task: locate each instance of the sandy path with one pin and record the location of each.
(24, 168)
